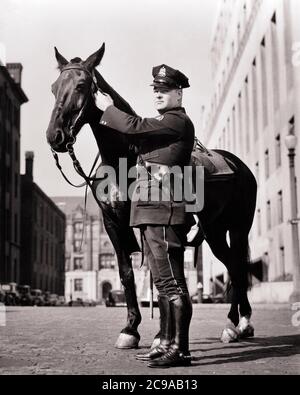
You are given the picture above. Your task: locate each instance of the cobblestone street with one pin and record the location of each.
(77, 340)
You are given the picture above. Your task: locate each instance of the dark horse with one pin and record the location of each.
(229, 205)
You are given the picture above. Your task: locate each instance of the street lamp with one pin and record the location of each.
(291, 143)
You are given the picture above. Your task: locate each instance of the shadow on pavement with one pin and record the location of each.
(270, 347)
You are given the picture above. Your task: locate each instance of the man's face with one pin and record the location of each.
(165, 99)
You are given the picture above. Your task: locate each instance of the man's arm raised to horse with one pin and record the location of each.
(119, 102)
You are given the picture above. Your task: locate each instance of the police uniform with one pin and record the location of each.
(162, 142)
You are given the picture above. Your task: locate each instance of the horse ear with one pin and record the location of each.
(60, 59)
(94, 60)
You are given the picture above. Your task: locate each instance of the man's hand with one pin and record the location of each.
(103, 100)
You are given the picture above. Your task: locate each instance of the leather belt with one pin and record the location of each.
(156, 170)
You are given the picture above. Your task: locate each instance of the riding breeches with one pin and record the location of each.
(164, 249)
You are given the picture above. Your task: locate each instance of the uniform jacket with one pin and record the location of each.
(167, 140)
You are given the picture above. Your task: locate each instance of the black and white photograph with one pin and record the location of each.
(149, 190)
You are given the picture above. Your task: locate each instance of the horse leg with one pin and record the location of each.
(239, 280)
(129, 336)
(121, 238)
(219, 246)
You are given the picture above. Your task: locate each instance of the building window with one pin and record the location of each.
(254, 97)
(269, 219)
(16, 185)
(229, 142)
(34, 247)
(267, 163)
(41, 215)
(78, 285)
(247, 113)
(239, 33)
(224, 139)
(77, 245)
(259, 222)
(78, 263)
(41, 249)
(107, 261)
(17, 118)
(233, 130)
(16, 228)
(232, 51)
(275, 65)
(278, 150)
(282, 263)
(78, 226)
(292, 126)
(257, 171)
(240, 123)
(280, 208)
(264, 82)
(47, 251)
(287, 44)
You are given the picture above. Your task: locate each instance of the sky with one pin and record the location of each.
(138, 35)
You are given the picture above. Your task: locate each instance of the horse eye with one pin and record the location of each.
(80, 87)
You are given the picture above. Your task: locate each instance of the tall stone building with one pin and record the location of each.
(11, 98)
(42, 237)
(254, 106)
(90, 262)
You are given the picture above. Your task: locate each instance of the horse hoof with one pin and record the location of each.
(245, 328)
(229, 335)
(126, 341)
(156, 342)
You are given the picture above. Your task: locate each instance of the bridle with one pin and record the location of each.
(72, 139)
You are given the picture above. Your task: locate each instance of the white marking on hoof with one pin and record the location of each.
(156, 342)
(229, 335)
(245, 328)
(126, 341)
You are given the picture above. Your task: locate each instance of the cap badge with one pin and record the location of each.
(162, 72)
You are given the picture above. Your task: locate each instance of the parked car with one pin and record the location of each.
(196, 298)
(79, 302)
(50, 299)
(219, 298)
(116, 298)
(38, 298)
(26, 299)
(61, 301)
(11, 294)
(2, 295)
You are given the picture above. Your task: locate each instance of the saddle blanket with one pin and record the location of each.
(215, 164)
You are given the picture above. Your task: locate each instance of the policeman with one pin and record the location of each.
(162, 143)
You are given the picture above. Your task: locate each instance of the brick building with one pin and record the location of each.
(11, 99)
(42, 236)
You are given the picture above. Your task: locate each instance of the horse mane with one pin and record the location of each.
(119, 102)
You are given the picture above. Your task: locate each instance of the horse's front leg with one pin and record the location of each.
(129, 336)
(116, 221)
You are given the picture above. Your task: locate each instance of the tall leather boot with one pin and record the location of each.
(165, 331)
(178, 353)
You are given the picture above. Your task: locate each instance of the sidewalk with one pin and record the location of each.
(77, 340)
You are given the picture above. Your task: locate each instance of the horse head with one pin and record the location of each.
(73, 90)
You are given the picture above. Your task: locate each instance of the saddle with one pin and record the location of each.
(216, 166)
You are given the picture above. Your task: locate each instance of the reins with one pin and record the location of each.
(70, 149)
